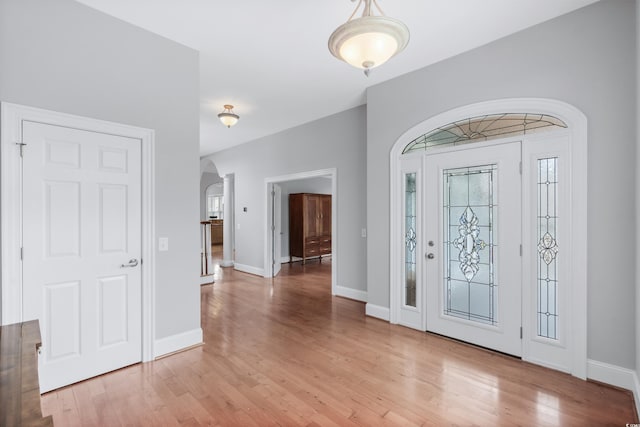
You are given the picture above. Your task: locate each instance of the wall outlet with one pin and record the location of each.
(238, 226)
(163, 244)
(364, 232)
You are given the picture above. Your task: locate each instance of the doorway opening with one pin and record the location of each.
(216, 222)
(320, 184)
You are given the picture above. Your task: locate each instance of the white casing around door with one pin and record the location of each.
(277, 230)
(81, 224)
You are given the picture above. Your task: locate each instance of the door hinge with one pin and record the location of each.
(520, 167)
(520, 249)
(520, 332)
(21, 145)
(21, 254)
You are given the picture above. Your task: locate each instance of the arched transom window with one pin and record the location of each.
(484, 128)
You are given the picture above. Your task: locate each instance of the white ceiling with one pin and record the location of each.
(270, 59)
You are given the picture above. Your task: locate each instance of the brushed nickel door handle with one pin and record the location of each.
(132, 263)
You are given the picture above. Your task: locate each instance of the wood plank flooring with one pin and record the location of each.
(284, 352)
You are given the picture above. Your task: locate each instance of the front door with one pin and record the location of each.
(82, 246)
(472, 236)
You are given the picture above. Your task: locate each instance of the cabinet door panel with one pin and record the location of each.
(325, 215)
(312, 216)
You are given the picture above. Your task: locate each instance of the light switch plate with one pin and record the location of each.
(163, 244)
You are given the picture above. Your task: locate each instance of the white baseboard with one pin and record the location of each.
(206, 279)
(284, 260)
(249, 269)
(636, 393)
(616, 376)
(377, 311)
(177, 342)
(355, 294)
(611, 374)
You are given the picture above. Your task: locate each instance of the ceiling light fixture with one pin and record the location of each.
(228, 117)
(369, 41)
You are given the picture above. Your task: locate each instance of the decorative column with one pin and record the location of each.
(227, 224)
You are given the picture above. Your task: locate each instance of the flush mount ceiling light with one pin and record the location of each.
(369, 41)
(228, 117)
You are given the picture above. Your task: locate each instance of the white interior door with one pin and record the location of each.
(82, 247)
(277, 229)
(473, 243)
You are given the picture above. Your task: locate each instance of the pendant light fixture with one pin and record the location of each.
(228, 117)
(369, 41)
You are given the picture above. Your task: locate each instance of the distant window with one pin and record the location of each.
(215, 206)
(484, 128)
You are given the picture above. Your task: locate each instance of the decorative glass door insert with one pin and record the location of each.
(411, 297)
(547, 218)
(473, 270)
(410, 240)
(469, 212)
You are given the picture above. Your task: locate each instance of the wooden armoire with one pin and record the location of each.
(309, 225)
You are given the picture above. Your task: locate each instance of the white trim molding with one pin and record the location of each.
(616, 376)
(354, 294)
(611, 374)
(13, 116)
(177, 342)
(206, 280)
(577, 165)
(249, 269)
(636, 392)
(377, 311)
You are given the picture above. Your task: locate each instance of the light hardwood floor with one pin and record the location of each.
(284, 352)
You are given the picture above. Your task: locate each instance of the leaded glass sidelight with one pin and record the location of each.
(547, 260)
(470, 210)
(484, 128)
(410, 240)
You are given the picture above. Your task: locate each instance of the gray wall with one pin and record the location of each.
(206, 180)
(637, 186)
(311, 185)
(337, 141)
(587, 59)
(63, 56)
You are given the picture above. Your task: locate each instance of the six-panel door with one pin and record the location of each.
(82, 246)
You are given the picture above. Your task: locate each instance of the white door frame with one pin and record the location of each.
(268, 256)
(13, 115)
(577, 134)
(276, 229)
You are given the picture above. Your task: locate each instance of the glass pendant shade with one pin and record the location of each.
(228, 117)
(369, 41)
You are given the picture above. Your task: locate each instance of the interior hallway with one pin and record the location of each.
(285, 352)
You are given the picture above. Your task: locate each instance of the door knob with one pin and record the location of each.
(430, 256)
(132, 263)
